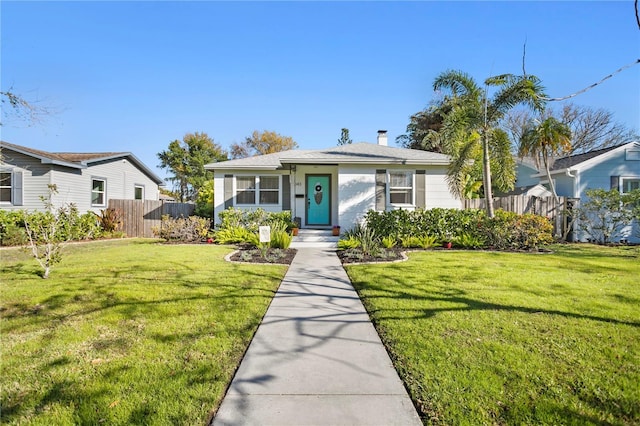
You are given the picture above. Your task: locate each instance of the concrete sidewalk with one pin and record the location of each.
(316, 359)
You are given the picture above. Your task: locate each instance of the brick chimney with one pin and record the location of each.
(382, 137)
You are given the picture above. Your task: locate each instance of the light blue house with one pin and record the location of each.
(616, 167)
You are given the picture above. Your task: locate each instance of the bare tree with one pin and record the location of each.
(17, 108)
(591, 128)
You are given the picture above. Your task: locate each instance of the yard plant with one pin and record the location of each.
(126, 332)
(513, 338)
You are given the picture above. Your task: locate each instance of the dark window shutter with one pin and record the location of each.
(381, 190)
(228, 191)
(421, 196)
(16, 196)
(615, 182)
(286, 192)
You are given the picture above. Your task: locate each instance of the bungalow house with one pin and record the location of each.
(334, 186)
(616, 167)
(87, 180)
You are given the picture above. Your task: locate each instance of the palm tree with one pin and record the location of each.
(471, 130)
(550, 137)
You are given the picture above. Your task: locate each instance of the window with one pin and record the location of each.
(98, 192)
(629, 184)
(269, 189)
(138, 192)
(632, 155)
(401, 187)
(246, 189)
(5, 187)
(265, 188)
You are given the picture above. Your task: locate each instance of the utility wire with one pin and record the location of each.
(637, 61)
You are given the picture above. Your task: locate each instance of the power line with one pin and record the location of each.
(593, 85)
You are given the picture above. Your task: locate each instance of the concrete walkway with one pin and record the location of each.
(316, 359)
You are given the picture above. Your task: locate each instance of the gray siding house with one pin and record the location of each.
(88, 180)
(335, 186)
(616, 167)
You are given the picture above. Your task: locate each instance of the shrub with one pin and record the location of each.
(469, 241)
(348, 243)
(110, 219)
(606, 213)
(511, 231)
(424, 241)
(389, 241)
(253, 219)
(183, 229)
(12, 228)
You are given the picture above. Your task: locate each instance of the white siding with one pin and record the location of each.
(437, 190)
(356, 194)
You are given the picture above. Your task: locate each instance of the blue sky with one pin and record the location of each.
(133, 76)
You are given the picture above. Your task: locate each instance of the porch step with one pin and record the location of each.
(315, 238)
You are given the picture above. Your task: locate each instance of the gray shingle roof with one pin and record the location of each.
(357, 153)
(78, 159)
(572, 160)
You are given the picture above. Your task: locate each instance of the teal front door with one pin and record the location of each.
(318, 200)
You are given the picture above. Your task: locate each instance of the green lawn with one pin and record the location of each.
(126, 332)
(512, 338)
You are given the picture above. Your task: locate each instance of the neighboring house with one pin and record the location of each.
(616, 167)
(536, 190)
(334, 186)
(88, 180)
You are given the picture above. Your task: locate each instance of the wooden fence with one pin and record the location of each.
(140, 217)
(557, 211)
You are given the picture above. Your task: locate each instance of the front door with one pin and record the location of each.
(318, 200)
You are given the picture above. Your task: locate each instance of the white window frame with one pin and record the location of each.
(10, 186)
(626, 178)
(135, 188)
(412, 188)
(257, 190)
(103, 192)
(269, 190)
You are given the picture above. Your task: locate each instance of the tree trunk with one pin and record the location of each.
(552, 185)
(486, 175)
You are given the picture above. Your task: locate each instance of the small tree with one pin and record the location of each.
(46, 232)
(344, 137)
(606, 213)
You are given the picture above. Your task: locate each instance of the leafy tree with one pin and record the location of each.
(591, 128)
(204, 202)
(605, 214)
(543, 141)
(260, 143)
(420, 127)
(471, 123)
(344, 137)
(186, 161)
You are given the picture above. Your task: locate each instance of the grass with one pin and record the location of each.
(513, 338)
(127, 332)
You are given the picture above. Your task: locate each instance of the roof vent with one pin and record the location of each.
(382, 137)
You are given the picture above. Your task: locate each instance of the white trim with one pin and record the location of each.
(621, 183)
(413, 188)
(594, 161)
(256, 190)
(10, 173)
(104, 192)
(136, 186)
